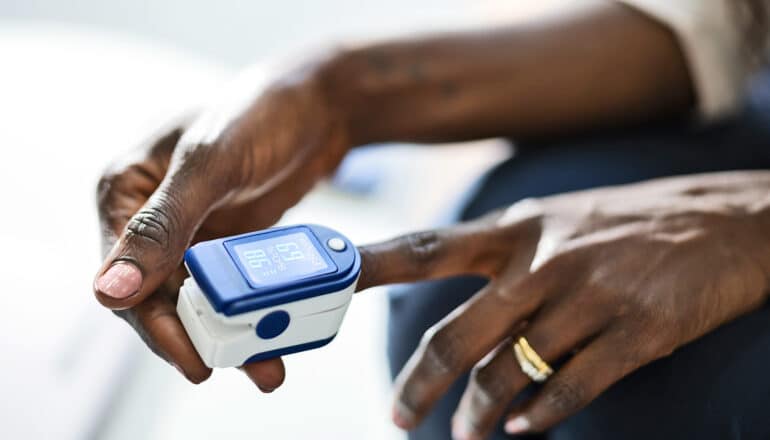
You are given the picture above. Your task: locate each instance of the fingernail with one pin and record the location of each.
(402, 416)
(517, 425)
(120, 281)
(265, 390)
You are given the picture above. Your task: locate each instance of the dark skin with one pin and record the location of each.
(237, 168)
(617, 277)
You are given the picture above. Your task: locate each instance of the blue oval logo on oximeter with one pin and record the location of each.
(304, 274)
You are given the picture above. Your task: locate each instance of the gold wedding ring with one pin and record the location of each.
(530, 362)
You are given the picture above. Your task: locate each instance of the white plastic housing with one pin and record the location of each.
(228, 341)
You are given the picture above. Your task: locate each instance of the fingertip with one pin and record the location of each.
(518, 425)
(402, 416)
(121, 280)
(462, 427)
(461, 430)
(157, 322)
(265, 390)
(267, 375)
(199, 377)
(196, 374)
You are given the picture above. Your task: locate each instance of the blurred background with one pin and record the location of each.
(82, 81)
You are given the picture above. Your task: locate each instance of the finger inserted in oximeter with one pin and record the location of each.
(266, 294)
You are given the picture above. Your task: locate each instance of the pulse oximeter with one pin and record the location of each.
(266, 294)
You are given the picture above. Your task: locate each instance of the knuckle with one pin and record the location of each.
(526, 211)
(150, 224)
(629, 355)
(649, 313)
(210, 162)
(441, 351)
(489, 387)
(564, 395)
(655, 326)
(522, 294)
(640, 345)
(423, 247)
(630, 361)
(654, 347)
(508, 294)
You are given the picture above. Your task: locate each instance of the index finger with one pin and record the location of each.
(472, 248)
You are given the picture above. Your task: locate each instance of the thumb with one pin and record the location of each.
(152, 244)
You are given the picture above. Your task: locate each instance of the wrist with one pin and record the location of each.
(747, 193)
(342, 80)
(320, 96)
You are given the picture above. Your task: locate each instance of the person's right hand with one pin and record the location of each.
(232, 170)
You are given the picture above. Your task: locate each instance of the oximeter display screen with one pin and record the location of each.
(281, 259)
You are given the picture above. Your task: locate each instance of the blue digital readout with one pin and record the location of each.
(280, 259)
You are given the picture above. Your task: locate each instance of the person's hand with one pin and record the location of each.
(234, 169)
(614, 278)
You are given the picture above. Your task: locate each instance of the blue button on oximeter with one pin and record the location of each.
(266, 294)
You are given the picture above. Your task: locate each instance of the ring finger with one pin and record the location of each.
(496, 380)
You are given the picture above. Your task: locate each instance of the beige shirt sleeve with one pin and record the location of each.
(724, 42)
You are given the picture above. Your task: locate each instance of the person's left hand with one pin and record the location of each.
(618, 276)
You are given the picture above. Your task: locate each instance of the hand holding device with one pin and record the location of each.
(229, 170)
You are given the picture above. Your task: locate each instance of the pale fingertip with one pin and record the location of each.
(402, 416)
(517, 425)
(461, 430)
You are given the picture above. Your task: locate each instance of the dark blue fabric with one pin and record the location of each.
(715, 388)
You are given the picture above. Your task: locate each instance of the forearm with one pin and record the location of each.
(603, 65)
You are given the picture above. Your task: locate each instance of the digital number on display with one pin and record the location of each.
(280, 259)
